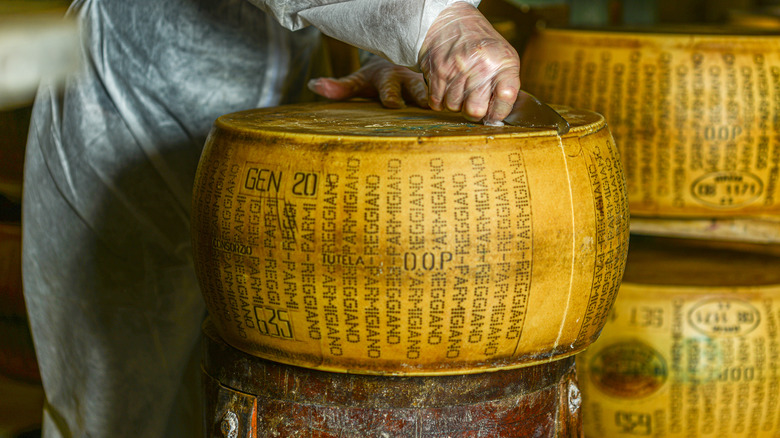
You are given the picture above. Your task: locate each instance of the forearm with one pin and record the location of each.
(393, 29)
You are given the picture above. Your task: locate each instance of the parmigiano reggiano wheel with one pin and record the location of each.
(691, 347)
(695, 116)
(348, 237)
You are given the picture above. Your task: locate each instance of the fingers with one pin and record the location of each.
(490, 101)
(480, 93)
(389, 86)
(401, 85)
(503, 98)
(393, 84)
(415, 90)
(456, 91)
(437, 86)
(476, 104)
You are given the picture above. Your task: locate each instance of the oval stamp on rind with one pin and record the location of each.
(724, 317)
(727, 189)
(628, 369)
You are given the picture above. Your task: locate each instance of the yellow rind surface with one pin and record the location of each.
(432, 247)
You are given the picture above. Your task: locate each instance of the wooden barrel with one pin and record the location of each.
(692, 346)
(249, 397)
(694, 115)
(348, 237)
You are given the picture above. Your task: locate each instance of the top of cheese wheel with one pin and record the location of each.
(671, 30)
(681, 262)
(371, 119)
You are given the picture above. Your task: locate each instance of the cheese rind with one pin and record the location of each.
(694, 116)
(351, 238)
(691, 346)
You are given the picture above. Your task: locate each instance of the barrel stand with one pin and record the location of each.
(248, 397)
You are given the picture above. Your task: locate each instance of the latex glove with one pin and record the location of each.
(395, 85)
(469, 66)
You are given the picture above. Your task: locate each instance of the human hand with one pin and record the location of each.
(469, 66)
(395, 85)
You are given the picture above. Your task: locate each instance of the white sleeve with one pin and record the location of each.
(393, 29)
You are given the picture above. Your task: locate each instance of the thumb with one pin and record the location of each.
(341, 88)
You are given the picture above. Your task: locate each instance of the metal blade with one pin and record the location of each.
(530, 112)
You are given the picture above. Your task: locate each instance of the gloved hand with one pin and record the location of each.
(469, 66)
(395, 85)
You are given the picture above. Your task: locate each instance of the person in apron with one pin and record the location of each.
(114, 305)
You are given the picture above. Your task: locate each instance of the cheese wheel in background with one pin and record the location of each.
(691, 347)
(694, 116)
(348, 237)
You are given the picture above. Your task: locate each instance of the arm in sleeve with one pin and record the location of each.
(393, 29)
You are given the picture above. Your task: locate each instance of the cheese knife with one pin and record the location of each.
(530, 112)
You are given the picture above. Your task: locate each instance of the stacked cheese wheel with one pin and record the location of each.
(692, 346)
(694, 115)
(347, 237)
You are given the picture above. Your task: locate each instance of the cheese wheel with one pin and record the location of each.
(691, 347)
(348, 237)
(695, 116)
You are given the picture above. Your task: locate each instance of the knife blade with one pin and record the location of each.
(530, 112)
